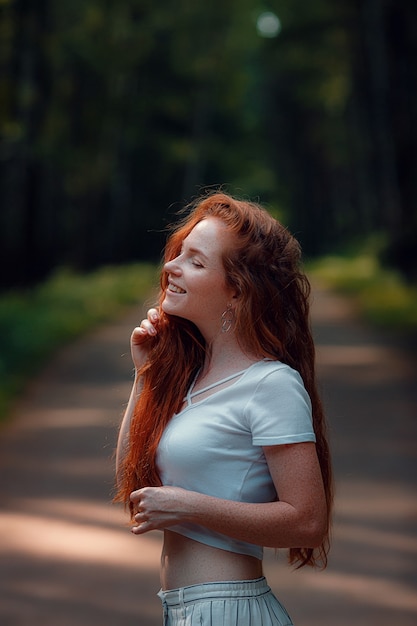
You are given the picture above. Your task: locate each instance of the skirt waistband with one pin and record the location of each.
(227, 589)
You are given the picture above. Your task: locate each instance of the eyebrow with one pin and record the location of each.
(195, 251)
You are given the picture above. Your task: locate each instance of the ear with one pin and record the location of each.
(234, 293)
(234, 297)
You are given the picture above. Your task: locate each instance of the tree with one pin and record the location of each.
(115, 113)
(133, 106)
(342, 89)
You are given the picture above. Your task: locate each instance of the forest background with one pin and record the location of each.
(115, 113)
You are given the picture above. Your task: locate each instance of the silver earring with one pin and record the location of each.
(228, 317)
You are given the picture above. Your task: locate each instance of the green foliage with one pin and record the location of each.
(113, 113)
(35, 323)
(124, 109)
(342, 91)
(384, 297)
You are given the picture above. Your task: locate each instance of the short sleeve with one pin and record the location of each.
(279, 411)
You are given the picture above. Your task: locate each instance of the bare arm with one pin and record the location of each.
(123, 438)
(139, 344)
(298, 519)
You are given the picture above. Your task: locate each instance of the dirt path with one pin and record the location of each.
(66, 558)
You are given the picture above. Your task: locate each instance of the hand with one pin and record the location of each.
(140, 339)
(158, 507)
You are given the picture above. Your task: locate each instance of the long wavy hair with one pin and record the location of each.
(272, 320)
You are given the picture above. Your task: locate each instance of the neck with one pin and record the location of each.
(225, 355)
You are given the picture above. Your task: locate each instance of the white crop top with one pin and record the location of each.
(214, 445)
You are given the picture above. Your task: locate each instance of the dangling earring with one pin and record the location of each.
(228, 317)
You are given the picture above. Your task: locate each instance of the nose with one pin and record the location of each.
(172, 267)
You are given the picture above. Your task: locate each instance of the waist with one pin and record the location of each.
(188, 562)
(225, 589)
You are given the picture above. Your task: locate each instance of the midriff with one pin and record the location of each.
(187, 562)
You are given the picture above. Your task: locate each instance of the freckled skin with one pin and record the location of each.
(198, 271)
(299, 517)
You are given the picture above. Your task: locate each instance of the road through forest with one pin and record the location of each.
(67, 557)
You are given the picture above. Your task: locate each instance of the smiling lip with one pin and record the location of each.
(175, 289)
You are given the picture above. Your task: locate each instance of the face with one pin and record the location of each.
(197, 288)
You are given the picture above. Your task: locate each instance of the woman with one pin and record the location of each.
(223, 443)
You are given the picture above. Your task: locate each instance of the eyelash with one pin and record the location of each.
(192, 260)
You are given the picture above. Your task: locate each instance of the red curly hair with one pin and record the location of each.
(272, 320)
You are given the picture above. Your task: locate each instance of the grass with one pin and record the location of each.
(384, 298)
(37, 322)
(34, 324)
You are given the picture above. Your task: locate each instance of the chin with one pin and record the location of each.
(170, 310)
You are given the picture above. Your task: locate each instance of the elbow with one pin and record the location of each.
(308, 533)
(314, 531)
(314, 538)
(309, 530)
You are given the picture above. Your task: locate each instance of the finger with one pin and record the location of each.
(141, 334)
(142, 528)
(135, 497)
(148, 326)
(153, 315)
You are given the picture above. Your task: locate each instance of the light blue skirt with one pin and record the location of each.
(235, 603)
